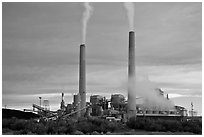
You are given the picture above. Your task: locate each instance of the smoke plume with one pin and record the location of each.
(86, 15)
(149, 92)
(129, 6)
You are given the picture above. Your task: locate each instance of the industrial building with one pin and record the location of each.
(117, 107)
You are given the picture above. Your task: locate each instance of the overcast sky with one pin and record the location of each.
(40, 50)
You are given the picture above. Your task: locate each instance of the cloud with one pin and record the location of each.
(176, 42)
(179, 79)
(40, 47)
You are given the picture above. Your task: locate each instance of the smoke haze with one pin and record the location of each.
(146, 90)
(86, 15)
(129, 6)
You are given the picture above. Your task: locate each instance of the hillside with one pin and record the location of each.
(9, 113)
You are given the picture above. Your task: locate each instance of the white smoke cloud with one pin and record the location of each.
(144, 88)
(129, 6)
(86, 15)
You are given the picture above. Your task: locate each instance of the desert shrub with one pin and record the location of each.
(21, 132)
(161, 127)
(152, 125)
(70, 127)
(165, 125)
(96, 121)
(85, 127)
(51, 127)
(99, 125)
(5, 130)
(196, 129)
(77, 132)
(65, 127)
(90, 125)
(138, 123)
(61, 130)
(18, 124)
(61, 126)
(95, 133)
(6, 123)
(192, 126)
(39, 129)
(131, 123)
(102, 128)
(112, 126)
(35, 127)
(61, 122)
(172, 125)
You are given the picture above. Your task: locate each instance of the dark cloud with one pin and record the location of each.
(40, 45)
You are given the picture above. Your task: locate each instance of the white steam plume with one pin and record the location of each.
(152, 99)
(129, 6)
(146, 89)
(86, 15)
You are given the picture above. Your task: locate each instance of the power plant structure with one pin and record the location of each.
(116, 108)
(76, 104)
(62, 105)
(131, 76)
(82, 78)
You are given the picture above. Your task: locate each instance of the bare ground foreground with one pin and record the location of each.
(131, 132)
(143, 132)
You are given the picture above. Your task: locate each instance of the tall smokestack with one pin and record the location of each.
(82, 78)
(131, 76)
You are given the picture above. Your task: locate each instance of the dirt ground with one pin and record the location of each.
(131, 132)
(143, 132)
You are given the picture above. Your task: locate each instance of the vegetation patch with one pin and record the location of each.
(96, 126)
(165, 125)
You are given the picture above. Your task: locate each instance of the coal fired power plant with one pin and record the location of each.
(152, 103)
(131, 76)
(118, 107)
(83, 71)
(131, 110)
